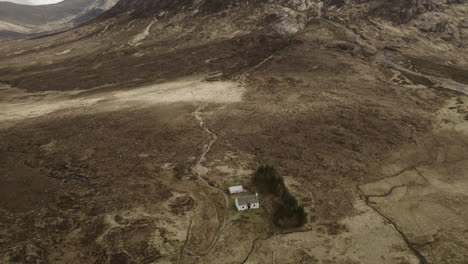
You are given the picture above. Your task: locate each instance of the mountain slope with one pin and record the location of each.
(22, 20)
(121, 137)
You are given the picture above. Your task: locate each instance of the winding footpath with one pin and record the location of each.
(144, 34)
(443, 82)
(202, 158)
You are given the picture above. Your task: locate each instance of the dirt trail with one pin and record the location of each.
(252, 248)
(143, 35)
(270, 236)
(207, 149)
(443, 82)
(411, 246)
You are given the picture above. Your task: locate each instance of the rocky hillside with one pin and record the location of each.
(18, 21)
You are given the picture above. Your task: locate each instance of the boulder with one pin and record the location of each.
(368, 50)
(432, 22)
(26, 253)
(464, 23)
(285, 23)
(349, 47)
(287, 26)
(299, 5)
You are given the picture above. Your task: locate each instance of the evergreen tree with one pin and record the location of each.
(288, 212)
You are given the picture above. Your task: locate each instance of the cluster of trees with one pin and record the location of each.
(287, 211)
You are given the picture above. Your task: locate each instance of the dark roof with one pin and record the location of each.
(247, 199)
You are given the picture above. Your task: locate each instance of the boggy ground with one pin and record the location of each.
(102, 169)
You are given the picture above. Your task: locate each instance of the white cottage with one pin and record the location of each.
(247, 202)
(236, 189)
